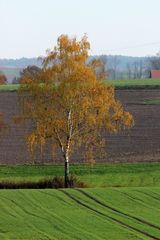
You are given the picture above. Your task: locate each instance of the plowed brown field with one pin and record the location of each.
(142, 143)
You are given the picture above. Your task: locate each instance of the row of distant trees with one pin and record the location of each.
(137, 69)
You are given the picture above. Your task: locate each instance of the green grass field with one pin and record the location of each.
(152, 102)
(118, 84)
(135, 84)
(123, 204)
(9, 87)
(100, 213)
(101, 175)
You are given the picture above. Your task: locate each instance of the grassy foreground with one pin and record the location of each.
(101, 175)
(113, 214)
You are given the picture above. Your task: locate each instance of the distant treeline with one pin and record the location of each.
(117, 66)
(19, 63)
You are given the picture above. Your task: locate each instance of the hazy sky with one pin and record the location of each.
(126, 27)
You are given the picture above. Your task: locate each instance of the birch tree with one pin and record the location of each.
(69, 104)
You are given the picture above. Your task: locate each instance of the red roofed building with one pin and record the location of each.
(155, 74)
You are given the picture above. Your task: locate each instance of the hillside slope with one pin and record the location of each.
(114, 214)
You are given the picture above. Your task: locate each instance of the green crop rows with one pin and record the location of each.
(116, 214)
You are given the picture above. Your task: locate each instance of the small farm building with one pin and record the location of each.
(155, 74)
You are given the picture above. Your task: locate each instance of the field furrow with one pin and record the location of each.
(79, 214)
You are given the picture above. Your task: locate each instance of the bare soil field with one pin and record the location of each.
(141, 143)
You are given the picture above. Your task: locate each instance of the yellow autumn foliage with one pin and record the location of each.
(69, 103)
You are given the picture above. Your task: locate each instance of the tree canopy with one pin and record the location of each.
(70, 104)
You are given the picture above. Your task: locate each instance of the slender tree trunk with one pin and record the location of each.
(66, 172)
